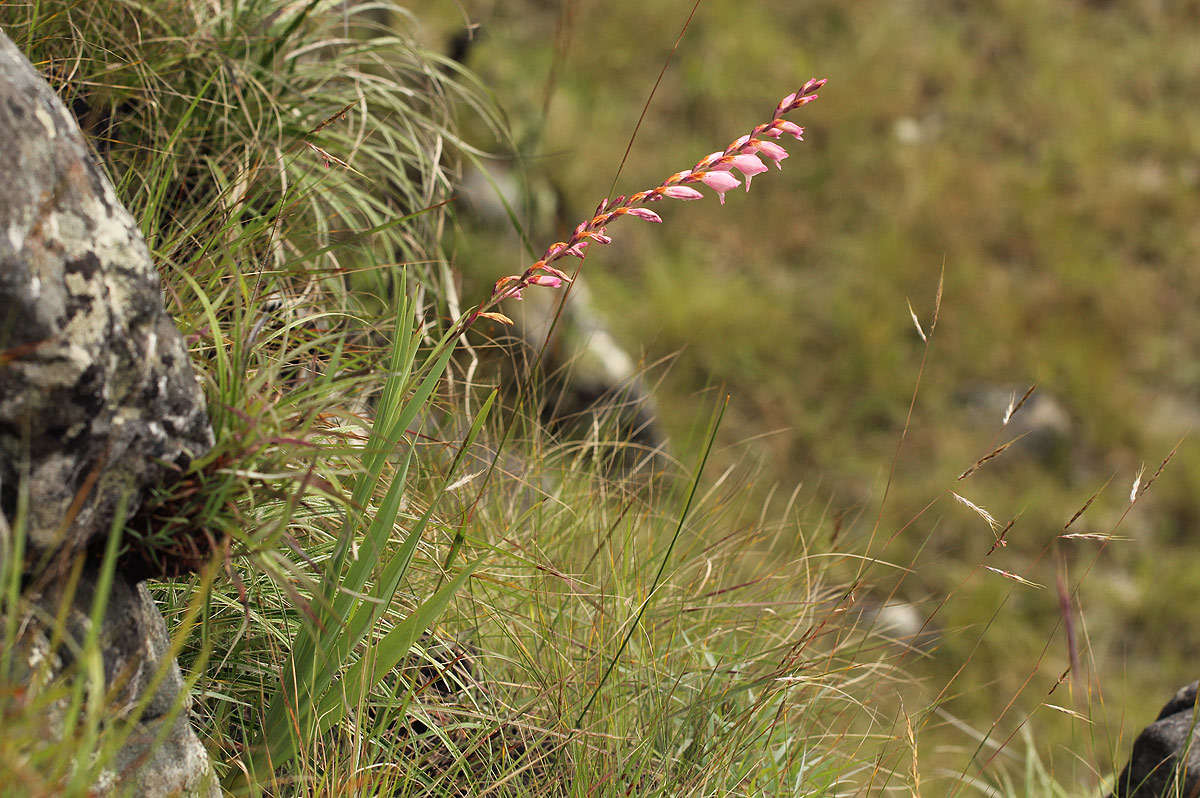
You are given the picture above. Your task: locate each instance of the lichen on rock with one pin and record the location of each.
(96, 391)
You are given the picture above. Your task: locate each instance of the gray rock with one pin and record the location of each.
(97, 401)
(96, 390)
(1154, 768)
(590, 378)
(133, 645)
(897, 622)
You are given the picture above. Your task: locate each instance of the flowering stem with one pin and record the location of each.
(714, 171)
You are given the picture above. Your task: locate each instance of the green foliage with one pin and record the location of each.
(289, 165)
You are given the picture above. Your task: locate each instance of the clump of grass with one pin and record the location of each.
(288, 166)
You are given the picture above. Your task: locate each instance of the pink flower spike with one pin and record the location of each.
(645, 213)
(784, 126)
(772, 151)
(749, 166)
(720, 182)
(682, 193)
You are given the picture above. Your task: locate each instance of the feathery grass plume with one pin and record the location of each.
(1014, 577)
(982, 513)
(744, 154)
(1137, 483)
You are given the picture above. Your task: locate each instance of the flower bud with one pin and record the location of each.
(681, 193)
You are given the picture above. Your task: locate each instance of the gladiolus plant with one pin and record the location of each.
(714, 171)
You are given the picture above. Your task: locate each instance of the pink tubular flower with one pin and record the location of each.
(644, 213)
(749, 166)
(720, 182)
(745, 154)
(555, 272)
(781, 126)
(682, 193)
(772, 151)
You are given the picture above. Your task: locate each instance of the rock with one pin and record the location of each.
(1153, 770)
(96, 391)
(98, 401)
(590, 378)
(133, 644)
(897, 622)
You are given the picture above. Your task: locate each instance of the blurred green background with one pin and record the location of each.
(1045, 155)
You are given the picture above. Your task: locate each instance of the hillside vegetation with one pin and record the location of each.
(990, 196)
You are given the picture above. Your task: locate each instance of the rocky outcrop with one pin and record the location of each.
(98, 401)
(96, 392)
(1165, 762)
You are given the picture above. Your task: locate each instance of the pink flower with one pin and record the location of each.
(772, 151)
(548, 280)
(644, 213)
(784, 126)
(749, 166)
(682, 193)
(503, 287)
(719, 182)
(598, 236)
(557, 273)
